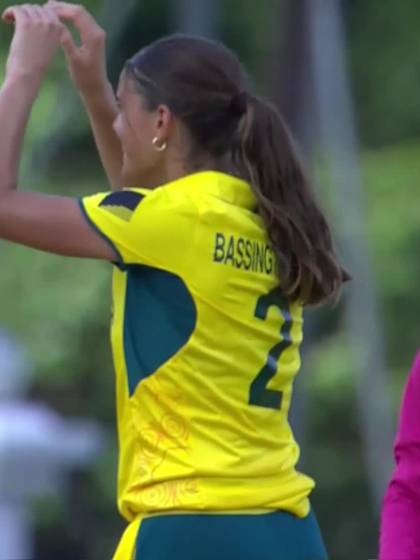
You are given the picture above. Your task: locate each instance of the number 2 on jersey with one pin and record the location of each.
(259, 395)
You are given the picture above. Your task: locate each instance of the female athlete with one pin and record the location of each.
(218, 244)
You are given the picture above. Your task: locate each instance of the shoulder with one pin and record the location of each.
(162, 205)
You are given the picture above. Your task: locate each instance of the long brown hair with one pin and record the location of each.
(206, 87)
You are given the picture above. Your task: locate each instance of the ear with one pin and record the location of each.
(164, 122)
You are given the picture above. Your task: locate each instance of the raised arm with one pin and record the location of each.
(53, 224)
(87, 65)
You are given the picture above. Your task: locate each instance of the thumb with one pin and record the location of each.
(68, 44)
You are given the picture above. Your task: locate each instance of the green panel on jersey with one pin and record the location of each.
(160, 317)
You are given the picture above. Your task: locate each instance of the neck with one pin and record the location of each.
(177, 167)
(205, 163)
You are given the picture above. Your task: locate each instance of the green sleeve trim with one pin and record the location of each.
(119, 260)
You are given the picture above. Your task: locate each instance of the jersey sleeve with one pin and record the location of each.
(153, 228)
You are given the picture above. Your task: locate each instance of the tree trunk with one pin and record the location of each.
(364, 323)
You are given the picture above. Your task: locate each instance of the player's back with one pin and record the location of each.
(207, 349)
(215, 413)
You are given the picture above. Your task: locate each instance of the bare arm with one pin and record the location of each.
(87, 66)
(101, 107)
(53, 224)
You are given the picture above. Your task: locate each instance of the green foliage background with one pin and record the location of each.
(59, 309)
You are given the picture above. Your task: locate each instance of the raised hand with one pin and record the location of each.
(87, 63)
(38, 34)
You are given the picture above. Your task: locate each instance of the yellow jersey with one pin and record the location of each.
(205, 351)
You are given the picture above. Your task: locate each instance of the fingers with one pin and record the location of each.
(37, 13)
(26, 12)
(47, 15)
(77, 15)
(69, 46)
(33, 20)
(14, 13)
(18, 15)
(37, 36)
(67, 42)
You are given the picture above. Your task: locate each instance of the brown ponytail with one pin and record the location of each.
(205, 86)
(301, 238)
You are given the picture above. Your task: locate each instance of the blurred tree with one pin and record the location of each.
(198, 17)
(60, 308)
(341, 152)
(289, 73)
(386, 67)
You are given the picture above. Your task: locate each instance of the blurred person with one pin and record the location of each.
(38, 449)
(400, 523)
(215, 257)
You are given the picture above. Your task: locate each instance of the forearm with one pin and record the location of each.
(102, 109)
(17, 97)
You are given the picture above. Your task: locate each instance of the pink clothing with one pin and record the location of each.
(400, 527)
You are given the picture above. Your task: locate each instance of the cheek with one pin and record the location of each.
(131, 140)
(136, 132)
(118, 127)
(126, 135)
(141, 143)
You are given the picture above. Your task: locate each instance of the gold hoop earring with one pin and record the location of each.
(158, 148)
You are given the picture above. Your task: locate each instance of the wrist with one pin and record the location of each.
(97, 93)
(100, 100)
(27, 82)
